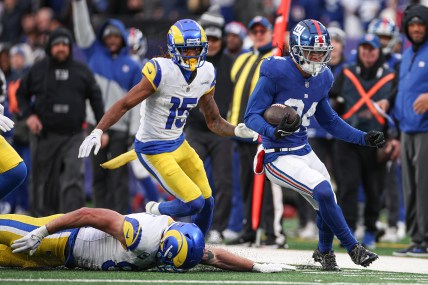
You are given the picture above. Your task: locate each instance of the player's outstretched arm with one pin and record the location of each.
(219, 125)
(135, 96)
(105, 220)
(223, 259)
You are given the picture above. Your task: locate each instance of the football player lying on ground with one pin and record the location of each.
(102, 239)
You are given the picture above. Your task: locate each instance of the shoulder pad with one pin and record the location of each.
(131, 232)
(271, 66)
(152, 71)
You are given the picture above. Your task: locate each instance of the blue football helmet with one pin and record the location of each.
(187, 34)
(310, 36)
(387, 28)
(181, 247)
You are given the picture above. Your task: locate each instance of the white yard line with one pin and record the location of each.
(304, 257)
(150, 281)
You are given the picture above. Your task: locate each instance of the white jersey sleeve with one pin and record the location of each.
(94, 249)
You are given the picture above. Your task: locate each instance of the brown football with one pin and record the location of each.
(274, 114)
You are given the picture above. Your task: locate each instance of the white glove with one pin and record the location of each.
(243, 132)
(31, 241)
(6, 124)
(271, 267)
(94, 139)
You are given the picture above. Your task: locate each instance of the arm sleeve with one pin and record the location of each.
(95, 96)
(329, 120)
(83, 30)
(260, 100)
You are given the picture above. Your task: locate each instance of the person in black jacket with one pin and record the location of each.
(52, 99)
(206, 143)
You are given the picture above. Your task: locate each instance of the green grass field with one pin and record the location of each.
(305, 274)
(203, 275)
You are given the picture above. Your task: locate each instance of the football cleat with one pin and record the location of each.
(181, 247)
(327, 260)
(187, 34)
(310, 37)
(362, 256)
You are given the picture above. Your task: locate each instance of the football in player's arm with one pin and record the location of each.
(303, 81)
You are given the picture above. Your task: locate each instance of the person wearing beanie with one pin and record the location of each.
(235, 36)
(52, 99)
(410, 106)
(107, 55)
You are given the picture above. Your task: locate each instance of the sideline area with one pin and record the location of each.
(304, 257)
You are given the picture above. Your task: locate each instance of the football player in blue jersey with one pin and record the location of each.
(102, 239)
(170, 88)
(303, 81)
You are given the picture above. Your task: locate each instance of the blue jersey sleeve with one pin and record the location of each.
(260, 100)
(330, 121)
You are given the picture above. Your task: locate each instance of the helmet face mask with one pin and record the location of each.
(385, 28)
(187, 35)
(181, 248)
(310, 46)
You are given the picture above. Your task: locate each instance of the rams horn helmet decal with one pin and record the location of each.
(187, 34)
(181, 247)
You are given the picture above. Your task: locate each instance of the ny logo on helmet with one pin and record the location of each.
(298, 30)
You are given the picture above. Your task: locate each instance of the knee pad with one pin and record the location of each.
(323, 192)
(209, 202)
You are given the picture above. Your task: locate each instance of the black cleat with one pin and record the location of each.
(362, 256)
(327, 260)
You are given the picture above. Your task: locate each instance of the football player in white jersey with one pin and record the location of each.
(102, 239)
(12, 168)
(171, 87)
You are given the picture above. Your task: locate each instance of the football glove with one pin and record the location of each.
(375, 139)
(243, 132)
(6, 124)
(271, 267)
(31, 241)
(285, 128)
(94, 139)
